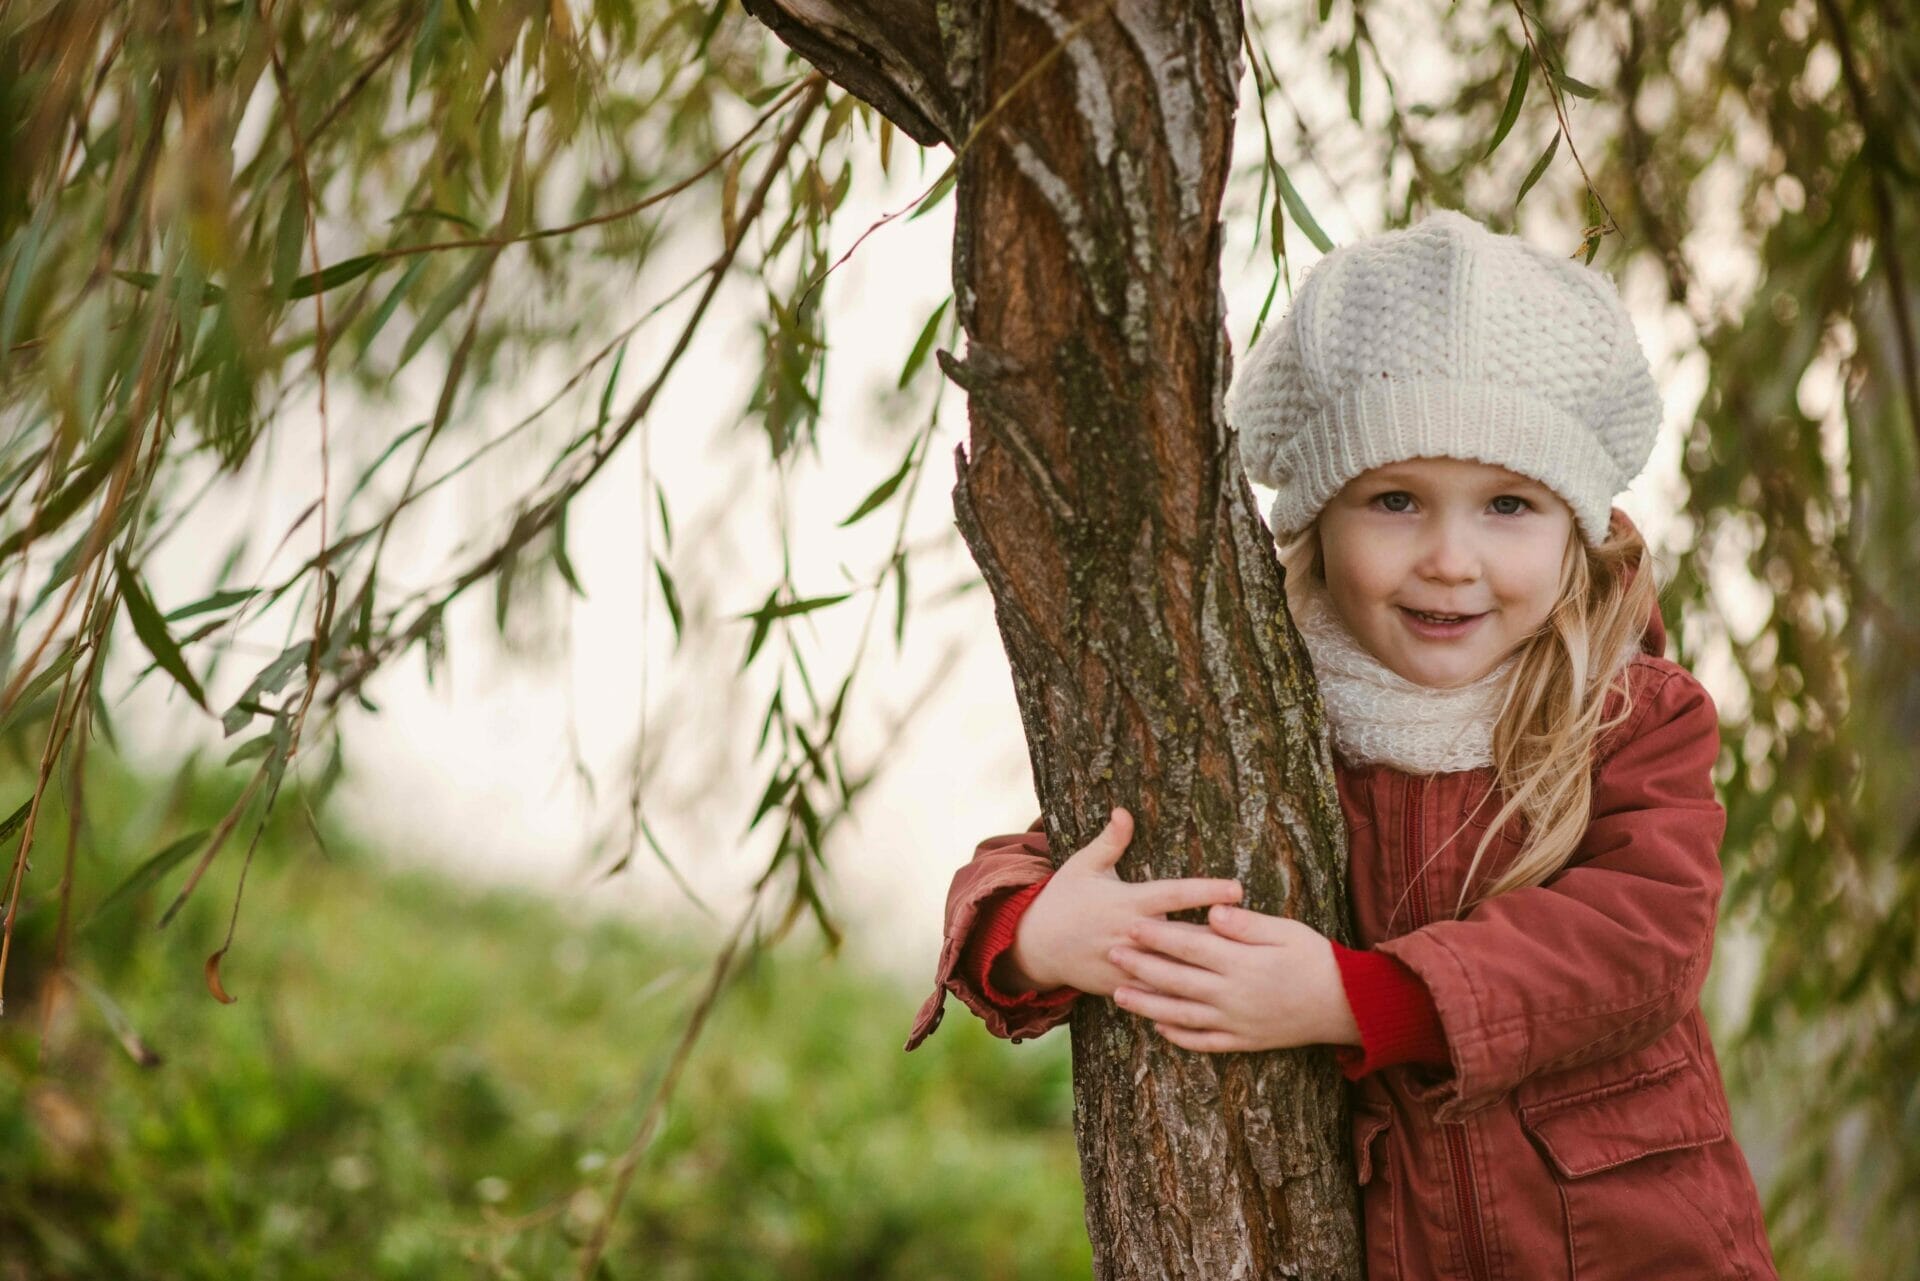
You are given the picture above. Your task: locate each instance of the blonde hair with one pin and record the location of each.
(1553, 713)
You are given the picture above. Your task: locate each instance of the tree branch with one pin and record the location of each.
(885, 52)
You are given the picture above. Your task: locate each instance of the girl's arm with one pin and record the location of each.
(1001, 867)
(1613, 950)
(1078, 915)
(1395, 1012)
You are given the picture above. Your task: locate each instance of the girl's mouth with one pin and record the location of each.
(1438, 626)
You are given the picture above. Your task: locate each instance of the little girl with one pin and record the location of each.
(1447, 414)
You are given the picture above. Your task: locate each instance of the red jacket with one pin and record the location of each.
(1570, 1120)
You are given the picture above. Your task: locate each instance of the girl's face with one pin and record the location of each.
(1441, 567)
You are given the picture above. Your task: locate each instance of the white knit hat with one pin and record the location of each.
(1447, 340)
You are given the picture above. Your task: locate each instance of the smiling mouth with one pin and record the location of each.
(1441, 619)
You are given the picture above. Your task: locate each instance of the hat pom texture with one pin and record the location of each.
(1446, 339)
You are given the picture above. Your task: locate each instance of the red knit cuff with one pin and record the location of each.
(1398, 1020)
(992, 936)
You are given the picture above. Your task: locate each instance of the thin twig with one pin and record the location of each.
(1566, 128)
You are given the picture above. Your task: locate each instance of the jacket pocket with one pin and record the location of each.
(1368, 1125)
(1629, 1160)
(1379, 1193)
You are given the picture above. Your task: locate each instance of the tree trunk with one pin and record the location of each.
(1135, 586)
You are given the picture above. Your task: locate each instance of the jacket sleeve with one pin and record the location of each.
(1612, 950)
(1001, 866)
(1395, 1013)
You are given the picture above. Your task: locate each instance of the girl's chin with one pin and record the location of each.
(1443, 675)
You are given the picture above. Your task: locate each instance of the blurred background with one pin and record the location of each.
(493, 695)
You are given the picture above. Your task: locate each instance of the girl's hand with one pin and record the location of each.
(1086, 910)
(1243, 981)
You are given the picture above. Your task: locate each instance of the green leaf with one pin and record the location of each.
(918, 355)
(152, 631)
(440, 215)
(503, 590)
(1326, 7)
(424, 46)
(762, 622)
(899, 598)
(38, 686)
(149, 872)
(1516, 94)
(939, 193)
(1302, 216)
(787, 609)
(70, 560)
(1539, 168)
(666, 522)
(672, 598)
(384, 312)
(449, 297)
(1350, 57)
(777, 788)
(319, 282)
(269, 681)
(561, 560)
(1578, 88)
(286, 245)
(606, 393)
(767, 93)
(23, 257)
(93, 466)
(251, 748)
(374, 466)
(147, 280)
(712, 25)
(208, 604)
(766, 723)
(15, 821)
(884, 490)
(1277, 228)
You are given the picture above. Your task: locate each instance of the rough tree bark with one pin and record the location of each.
(1136, 589)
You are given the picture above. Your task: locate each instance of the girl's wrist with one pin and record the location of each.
(1341, 1026)
(1018, 971)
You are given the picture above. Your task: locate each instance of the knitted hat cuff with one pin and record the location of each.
(1389, 420)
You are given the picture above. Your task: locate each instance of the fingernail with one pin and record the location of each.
(1221, 912)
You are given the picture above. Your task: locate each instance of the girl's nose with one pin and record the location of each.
(1450, 557)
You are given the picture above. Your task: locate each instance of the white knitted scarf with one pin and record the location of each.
(1379, 716)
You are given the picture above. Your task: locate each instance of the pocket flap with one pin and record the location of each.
(1659, 1110)
(1367, 1124)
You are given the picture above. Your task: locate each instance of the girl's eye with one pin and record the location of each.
(1519, 505)
(1398, 500)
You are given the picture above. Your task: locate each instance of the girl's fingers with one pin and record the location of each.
(1194, 944)
(1160, 897)
(1165, 1009)
(1103, 852)
(1202, 1040)
(1176, 978)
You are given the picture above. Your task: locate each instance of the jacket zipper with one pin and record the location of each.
(1459, 1158)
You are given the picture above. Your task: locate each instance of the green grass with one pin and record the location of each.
(423, 1081)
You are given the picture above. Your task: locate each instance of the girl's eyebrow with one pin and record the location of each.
(1517, 481)
(1391, 475)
